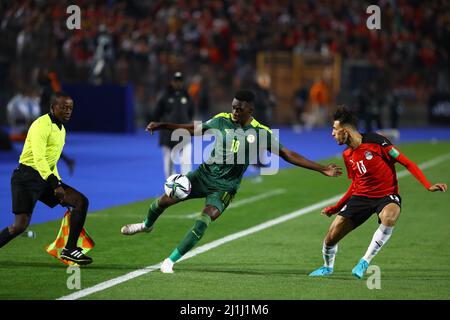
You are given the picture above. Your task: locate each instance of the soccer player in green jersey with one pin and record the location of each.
(37, 178)
(218, 178)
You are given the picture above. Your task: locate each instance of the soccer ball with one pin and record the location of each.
(177, 186)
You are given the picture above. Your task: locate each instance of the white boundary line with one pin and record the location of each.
(206, 247)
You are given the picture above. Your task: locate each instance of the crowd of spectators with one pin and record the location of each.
(144, 41)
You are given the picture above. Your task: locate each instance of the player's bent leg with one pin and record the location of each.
(20, 224)
(79, 204)
(165, 201)
(388, 217)
(156, 209)
(390, 214)
(340, 227)
(192, 237)
(210, 213)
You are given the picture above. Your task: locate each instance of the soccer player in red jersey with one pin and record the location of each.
(370, 161)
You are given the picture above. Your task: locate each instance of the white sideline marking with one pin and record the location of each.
(319, 205)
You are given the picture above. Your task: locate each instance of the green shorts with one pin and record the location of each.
(217, 198)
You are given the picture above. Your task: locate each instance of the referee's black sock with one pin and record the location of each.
(77, 219)
(6, 237)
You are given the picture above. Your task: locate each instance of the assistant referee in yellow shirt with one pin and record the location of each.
(37, 178)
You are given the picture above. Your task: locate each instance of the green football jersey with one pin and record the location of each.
(234, 149)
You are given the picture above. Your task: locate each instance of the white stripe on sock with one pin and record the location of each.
(329, 255)
(380, 237)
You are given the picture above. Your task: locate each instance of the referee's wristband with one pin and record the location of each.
(54, 182)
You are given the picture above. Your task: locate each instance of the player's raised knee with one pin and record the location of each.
(389, 220)
(212, 211)
(389, 215)
(165, 201)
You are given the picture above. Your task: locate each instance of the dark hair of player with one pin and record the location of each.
(345, 117)
(57, 95)
(245, 95)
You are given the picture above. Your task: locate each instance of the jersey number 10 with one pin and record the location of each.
(361, 167)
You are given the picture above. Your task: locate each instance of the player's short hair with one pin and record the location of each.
(245, 95)
(345, 116)
(57, 95)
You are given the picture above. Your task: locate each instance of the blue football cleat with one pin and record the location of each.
(359, 270)
(322, 271)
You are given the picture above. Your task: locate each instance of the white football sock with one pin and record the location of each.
(380, 237)
(329, 253)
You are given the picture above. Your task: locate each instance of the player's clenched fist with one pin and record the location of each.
(329, 211)
(153, 126)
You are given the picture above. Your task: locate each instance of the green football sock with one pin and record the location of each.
(192, 237)
(153, 213)
(175, 255)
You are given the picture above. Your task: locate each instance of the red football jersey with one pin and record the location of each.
(371, 166)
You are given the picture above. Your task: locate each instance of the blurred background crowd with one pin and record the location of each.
(216, 45)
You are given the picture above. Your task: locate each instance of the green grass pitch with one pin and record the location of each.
(271, 264)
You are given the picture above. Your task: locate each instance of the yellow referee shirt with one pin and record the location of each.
(43, 146)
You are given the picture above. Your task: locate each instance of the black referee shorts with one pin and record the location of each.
(27, 187)
(359, 208)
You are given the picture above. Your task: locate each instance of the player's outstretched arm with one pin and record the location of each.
(418, 174)
(329, 211)
(155, 126)
(331, 170)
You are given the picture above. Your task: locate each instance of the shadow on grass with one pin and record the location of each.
(36, 264)
(57, 265)
(277, 270)
(240, 269)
